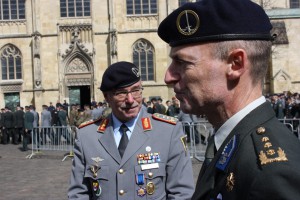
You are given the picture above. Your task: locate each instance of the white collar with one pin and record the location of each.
(228, 126)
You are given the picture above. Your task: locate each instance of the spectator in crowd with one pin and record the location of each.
(73, 115)
(46, 123)
(97, 112)
(63, 122)
(66, 107)
(88, 112)
(55, 122)
(149, 107)
(28, 126)
(93, 103)
(107, 110)
(81, 118)
(19, 123)
(144, 102)
(51, 107)
(170, 109)
(36, 135)
(278, 106)
(54, 117)
(163, 109)
(1, 124)
(57, 103)
(187, 120)
(219, 62)
(155, 106)
(8, 127)
(104, 167)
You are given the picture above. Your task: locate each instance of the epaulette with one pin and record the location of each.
(165, 118)
(86, 123)
(267, 147)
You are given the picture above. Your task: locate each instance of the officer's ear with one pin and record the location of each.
(236, 64)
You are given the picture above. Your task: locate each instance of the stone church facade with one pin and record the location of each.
(56, 50)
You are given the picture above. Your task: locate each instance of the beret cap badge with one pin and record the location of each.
(135, 71)
(188, 22)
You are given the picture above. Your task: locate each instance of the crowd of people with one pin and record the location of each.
(17, 124)
(13, 124)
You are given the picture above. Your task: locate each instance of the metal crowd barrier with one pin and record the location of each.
(194, 131)
(53, 138)
(293, 125)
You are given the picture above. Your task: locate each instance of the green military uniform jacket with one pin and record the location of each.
(259, 160)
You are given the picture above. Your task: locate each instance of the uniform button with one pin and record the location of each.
(121, 171)
(121, 192)
(150, 174)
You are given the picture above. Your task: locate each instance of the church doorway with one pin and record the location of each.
(80, 95)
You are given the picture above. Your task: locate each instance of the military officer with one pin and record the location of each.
(130, 154)
(220, 52)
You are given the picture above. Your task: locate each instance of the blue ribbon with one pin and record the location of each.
(140, 179)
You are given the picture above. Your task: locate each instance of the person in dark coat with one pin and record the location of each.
(28, 126)
(220, 52)
(55, 123)
(19, 123)
(8, 127)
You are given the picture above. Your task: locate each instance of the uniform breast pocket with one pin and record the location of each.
(99, 182)
(154, 183)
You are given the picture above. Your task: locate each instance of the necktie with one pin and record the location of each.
(124, 139)
(209, 154)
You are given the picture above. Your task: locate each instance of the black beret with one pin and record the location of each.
(215, 20)
(119, 75)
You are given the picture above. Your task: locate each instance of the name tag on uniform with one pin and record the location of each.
(150, 166)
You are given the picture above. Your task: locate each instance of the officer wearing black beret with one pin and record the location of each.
(130, 154)
(220, 51)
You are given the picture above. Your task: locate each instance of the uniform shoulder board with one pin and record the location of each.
(268, 147)
(165, 118)
(86, 123)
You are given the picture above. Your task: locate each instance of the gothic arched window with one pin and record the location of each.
(143, 57)
(11, 63)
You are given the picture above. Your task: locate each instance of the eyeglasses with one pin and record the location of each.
(136, 93)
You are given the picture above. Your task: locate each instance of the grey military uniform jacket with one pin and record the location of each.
(170, 177)
(259, 160)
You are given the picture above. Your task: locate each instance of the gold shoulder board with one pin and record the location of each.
(165, 118)
(86, 123)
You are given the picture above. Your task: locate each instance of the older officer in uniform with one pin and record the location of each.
(220, 51)
(130, 154)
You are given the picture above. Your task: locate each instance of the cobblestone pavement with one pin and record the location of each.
(45, 176)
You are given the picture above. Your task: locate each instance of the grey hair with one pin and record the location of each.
(258, 52)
